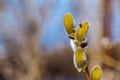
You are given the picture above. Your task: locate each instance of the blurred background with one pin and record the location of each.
(34, 44)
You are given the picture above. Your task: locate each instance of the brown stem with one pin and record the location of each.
(86, 72)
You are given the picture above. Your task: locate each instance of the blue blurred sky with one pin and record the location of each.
(55, 20)
(53, 29)
(53, 32)
(116, 22)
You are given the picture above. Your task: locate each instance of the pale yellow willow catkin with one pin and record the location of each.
(80, 60)
(82, 31)
(96, 73)
(69, 25)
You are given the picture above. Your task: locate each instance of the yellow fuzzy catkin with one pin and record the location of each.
(80, 59)
(96, 73)
(82, 31)
(69, 25)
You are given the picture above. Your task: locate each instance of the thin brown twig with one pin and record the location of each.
(86, 72)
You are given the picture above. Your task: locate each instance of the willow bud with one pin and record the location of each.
(69, 25)
(80, 60)
(96, 73)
